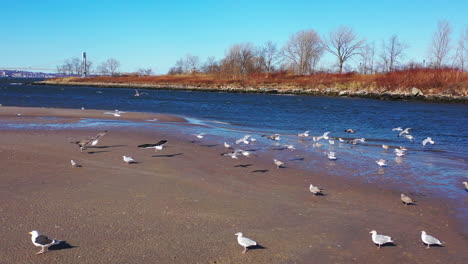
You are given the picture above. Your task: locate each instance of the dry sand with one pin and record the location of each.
(185, 203)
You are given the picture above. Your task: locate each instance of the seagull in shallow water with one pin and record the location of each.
(128, 159)
(406, 200)
(349, 130)
(399, 152)
(427, 140)
(381, 162)
(429, 240)
(380, 239)
(305, 134)
(244, 241)
(42, 241)
(331, 155)
(278, 163)
(315, 189)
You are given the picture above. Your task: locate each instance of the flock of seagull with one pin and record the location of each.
(378, 239)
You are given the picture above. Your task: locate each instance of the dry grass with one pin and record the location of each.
(430, 81)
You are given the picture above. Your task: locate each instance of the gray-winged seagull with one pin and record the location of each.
(245, 242)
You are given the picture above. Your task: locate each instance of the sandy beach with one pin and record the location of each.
(185, 203)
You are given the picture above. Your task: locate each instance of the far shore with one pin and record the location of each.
(183, 204)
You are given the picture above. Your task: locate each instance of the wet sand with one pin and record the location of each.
(185, 203)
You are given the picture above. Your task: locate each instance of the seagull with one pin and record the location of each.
(331, 142)
(243, 140)
(331, 155)
(137, 93)
(429, 240)
(226, 145)
(245, 242)
(341, 140)
(315, 190)
(380, 239)
(156, 146)
(278, 163)
(274, 137)
(42, 241)
(349, 130)
(397, 129)
(381, 162)
(357, 140)
(74, 164)
(86, 142)
(200, 136)
(384, 146)
(410, 137)
(252, 139)
(427, 140)
(403, 132)
(466, 185)
(324, 136)
(305, 134)
(128, 159)
(116, 113)
(406, 200)
(290, 147)
(399, 152)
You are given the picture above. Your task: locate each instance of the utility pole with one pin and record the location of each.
(84, 72)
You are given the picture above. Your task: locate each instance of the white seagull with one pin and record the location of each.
(290, 147)
(384, 146)
(128, 159)
(278, 163)
(244, 241)
(466, 185)
(305, 134)
(331, 155)
(410, 137)
(399, 152)
(42, 241)
(404, 131)
(74, 164)
(315, 190)
(243, 140)
(200, 136)
(341, 140)
(397, 129)
(380, 239)
(331, 142)
(429, 240)
(381, 162)
(324, 136)
(427, 140)
(226, 145)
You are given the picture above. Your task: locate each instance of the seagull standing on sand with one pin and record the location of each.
(427, 140)
(226, 145)
(278, 163)
(245, 242)
(429, 240)
(315, 190)
(128, 159)
(381, 162)
(74, 164)
(42, 241)
(380, 239)
(406, 200)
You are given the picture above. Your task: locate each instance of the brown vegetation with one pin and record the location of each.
(430, 81)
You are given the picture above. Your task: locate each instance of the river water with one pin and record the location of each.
(436, 170)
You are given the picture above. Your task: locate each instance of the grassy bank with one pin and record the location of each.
(419, 84)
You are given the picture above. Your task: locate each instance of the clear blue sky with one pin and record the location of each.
(154, 34)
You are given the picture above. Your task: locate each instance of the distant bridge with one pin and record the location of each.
(27, 68)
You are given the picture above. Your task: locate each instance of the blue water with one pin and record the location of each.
(436, 170)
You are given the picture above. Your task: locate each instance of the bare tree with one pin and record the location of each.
(344, 44)
(367, 54)
(73, 66)
(303, 50)
(440, 47)
(145, 72)
(462, 51)
(191, 64)
(210, 66)
(392, 52)
(109, 67)
(239, 60)
(268, 56)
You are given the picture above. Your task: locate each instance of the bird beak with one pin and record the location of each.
(30, 233)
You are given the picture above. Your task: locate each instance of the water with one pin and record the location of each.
(437, 170)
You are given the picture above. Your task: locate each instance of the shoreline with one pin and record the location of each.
(175, 195)
(271, 89)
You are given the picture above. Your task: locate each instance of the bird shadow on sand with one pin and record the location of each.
(95, 152)
(261, 171)
(209, 145)
(243, 166)
(297, 159)
(62, 245)
(258, 246)
(104, 147)
(167, 155)
(388, 245)
(195, 141)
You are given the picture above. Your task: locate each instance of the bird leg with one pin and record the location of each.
(245, 250)
(428, 246)
(41, 251)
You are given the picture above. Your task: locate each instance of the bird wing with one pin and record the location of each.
(432, 240)
(247, 242)
(382, 238)
(43, 240)
(99, 135)
(161, 142)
